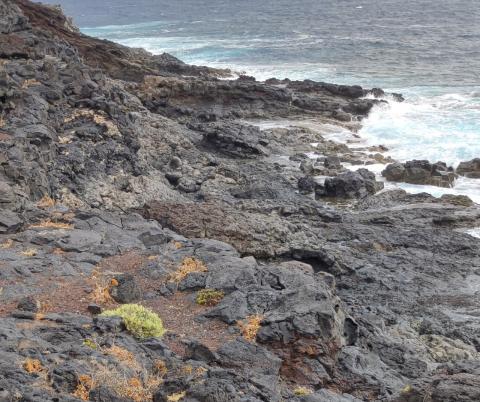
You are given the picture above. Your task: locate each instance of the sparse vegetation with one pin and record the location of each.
(160, 368)
(90, 344)
(101, 292)
(29, 83)
(49, 224)
(46, 202)
(97, 117)
(302, 391)
(123, 355)
(29, 252)
(85, 384)
(250, 327)
(7, 244)
(33, 365)
(178, 396)
(188, 266)
(209, 297)
(139, 321)
(136, 388)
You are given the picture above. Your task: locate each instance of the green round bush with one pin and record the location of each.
(139, 321)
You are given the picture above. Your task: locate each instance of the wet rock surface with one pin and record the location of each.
(127, 178)
(421, 172)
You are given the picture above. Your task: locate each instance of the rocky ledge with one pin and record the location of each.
(266, 270)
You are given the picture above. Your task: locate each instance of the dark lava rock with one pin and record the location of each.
(29, 304)
(94, 309)
(306, 184)
(420, 172)
(127, 290)
(358, 184)
(469, 169)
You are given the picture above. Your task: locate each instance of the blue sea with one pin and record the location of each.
(428, 50)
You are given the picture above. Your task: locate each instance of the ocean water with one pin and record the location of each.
(428, 50)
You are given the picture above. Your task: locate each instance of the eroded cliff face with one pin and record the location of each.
(132, 178)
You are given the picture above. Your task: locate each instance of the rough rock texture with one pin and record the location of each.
(469, 168)
(132, 178)
(421, 172)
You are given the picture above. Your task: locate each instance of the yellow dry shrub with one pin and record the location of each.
(302, 391)
(85, 385)
(250, 327)
(29, 83)
(46, 202)
(136, 388)
(188, 266)
(30, 252)
(32, 365)
(7, 244)
(178, 396)
(160, 368)
(123, 355)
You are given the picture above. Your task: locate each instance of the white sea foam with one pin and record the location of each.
(442, 126)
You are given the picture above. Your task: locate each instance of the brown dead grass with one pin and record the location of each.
(49, 224)
(160, 368)
(123, 355)
(188, 266)
(85, 385)
(178, 396)
(46, 202)
(136, 388)
(7, 244)
(32, 365)
(30, 252)
(29, 83)
(250, 327)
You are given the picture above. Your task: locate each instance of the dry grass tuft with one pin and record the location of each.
(49, 224)
(123, 355)
(58, 251)
(177, 245)
(189, 265)
(33, 366)
(101, 292)
(7, 244)
(2, 121)
(85, 385)
(98, 118)
(29, 83)
(64, 140)
(30, 252)
(178, 396)
(302, 391)
(136, 388)
(250, 327)
(160, 368)
(46, 202)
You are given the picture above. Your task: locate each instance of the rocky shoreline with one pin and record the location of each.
(279, 274)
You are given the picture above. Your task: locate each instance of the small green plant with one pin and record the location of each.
(90, 344)
(209, 297)
(302, 391)
(139, 321)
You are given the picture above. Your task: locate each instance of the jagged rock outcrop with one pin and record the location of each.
(421, 172)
